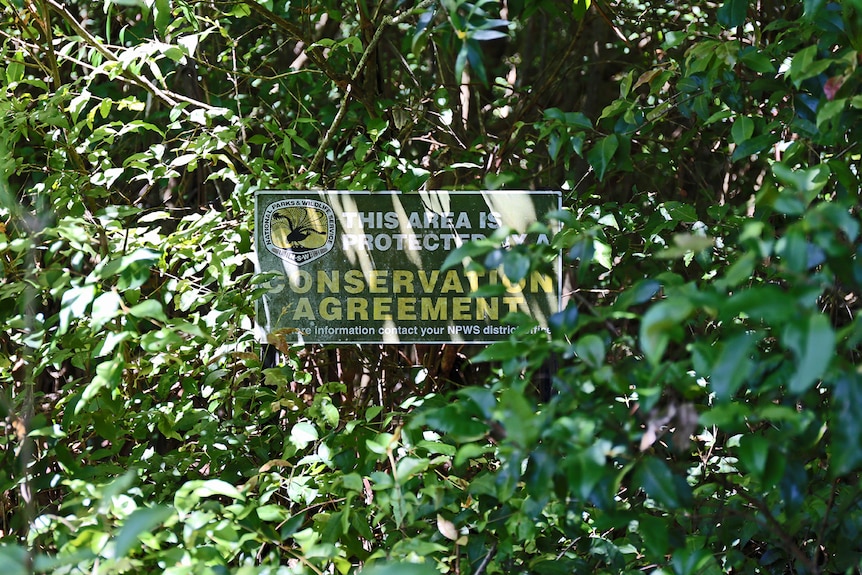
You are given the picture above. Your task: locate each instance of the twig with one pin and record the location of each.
(296, 33)
(484, 564)
(169, 98)
(348, 90)
(786, 540)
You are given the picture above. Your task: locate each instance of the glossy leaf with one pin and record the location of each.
(141, 521)
(602, 153)
(655, 478)
(846, 426)
(660, 325)
(812, 341)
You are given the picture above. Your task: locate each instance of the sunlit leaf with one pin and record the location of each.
(142, 520)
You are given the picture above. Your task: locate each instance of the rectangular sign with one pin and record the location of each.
(365, 267)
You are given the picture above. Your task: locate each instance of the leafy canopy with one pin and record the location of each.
(696, 408)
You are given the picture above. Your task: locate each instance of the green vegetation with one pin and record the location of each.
(707, 405)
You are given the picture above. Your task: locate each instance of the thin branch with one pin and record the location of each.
(495, 162)
(296, 33)
(778, 529)
(169, 98)
(484, 564)
(348, 91)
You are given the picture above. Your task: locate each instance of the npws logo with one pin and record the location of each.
(299, 230)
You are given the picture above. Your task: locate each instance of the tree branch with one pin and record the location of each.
(363, 61)
(294, 31)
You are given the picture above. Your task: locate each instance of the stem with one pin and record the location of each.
(484, 564)
(348, 90)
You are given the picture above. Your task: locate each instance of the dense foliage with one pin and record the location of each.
(705, 410)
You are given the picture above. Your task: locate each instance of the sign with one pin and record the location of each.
(365, 267)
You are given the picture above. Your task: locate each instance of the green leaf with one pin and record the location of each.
(760, 457)
(732, 13)
(688, 561)
(757, 61)
(733, 365)
(74, 304)
(660, 324)
(602, 153)
(655, 534)
(564, 321)
(591, 350)
(679, 212)
(142, 520)
(376, 128)
(483, 398)
(765, 303)
(656, 479)
(498, 351)
(461, 62)
(272, 513)
(162, 14)
(753, 453)
(845, 449)
(401, 569)
(14, 560)
(474, 56)
(641, 292)
(753, 146)
(149, 309)
(579, 8)
(804, 66)
(812, 341)
(108, 376)
(468, 250)
(160, 340)
(743, 128)
(302, 434)
(586, 469)
(801, 186)
(482, 35)
(516, 266)
(456, 424)
(408, 467)
(829, 110)
(191, 492)
(602, 254)
(14, 71)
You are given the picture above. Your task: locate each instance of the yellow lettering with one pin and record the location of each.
(276, 284)
(328, 281)
(377, 281)
(485, 309)
(452, 282)
(473, 279)
(301, 282)
(428, 282)
(382, 308)
(353, 281)
(357, 309)
(512, 302)
(303, 309)
(514, 288)
(406, 309)
(402, 280)
(330, 308)
(461, 308)
(432, 309)
(541, 281)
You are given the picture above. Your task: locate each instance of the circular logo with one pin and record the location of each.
(299, 230)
